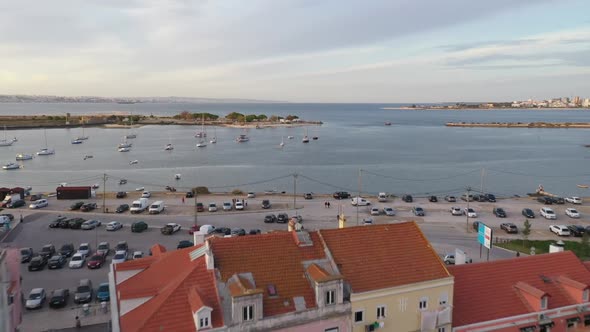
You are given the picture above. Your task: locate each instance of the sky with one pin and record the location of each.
(382, 51)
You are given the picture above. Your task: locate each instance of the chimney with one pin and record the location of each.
(198, 238)
(209, 256)
(341, 220)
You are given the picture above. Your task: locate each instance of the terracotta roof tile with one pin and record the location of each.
(317, 274)
(481, 286)
(587, 264)
(531, 290)
(383, 256)
(272, 258)
(572, 283)
(239, 286)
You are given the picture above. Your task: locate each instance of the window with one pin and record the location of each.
(586, 295)
(587, 320)
(333, 329)
(441, 329)
(359, 316)
(443, 299)
(204, 322)
(330, 297)
(544, 302)
(403, 304)
(544, 328)
(381, 311)
(423, 303)
(248, 312)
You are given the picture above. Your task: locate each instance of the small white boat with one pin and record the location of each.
(290, 137)
(124, 149)
(130, 136)
(23, 156)
(125, 145)
(133, 162)
(83, 137)
(305, 138)
(177, 176)
(5, 141)
(242, 139)
(122, 182)
(77, 141)
(213, 140)
(45, 152)
(14, 139)
(139, 189)
(88, 156)
(10, 166)
(282, 142)
(201, 144)
(169, 147)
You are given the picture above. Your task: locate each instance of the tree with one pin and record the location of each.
(526, 231)
(234, 116)
(262, 117)
(251, 117)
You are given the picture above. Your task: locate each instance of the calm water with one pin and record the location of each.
(417, 154)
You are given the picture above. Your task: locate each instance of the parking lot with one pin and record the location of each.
(444, 230)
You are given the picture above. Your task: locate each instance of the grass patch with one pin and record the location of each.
(581, 249)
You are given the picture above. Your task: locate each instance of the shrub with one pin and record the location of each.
(201, 190)
(237, 192)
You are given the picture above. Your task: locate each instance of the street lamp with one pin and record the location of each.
(468, 198)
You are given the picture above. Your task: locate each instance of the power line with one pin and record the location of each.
(422, 179)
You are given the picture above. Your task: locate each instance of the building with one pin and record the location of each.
(577, 101)
(10, 290)
(397, 281)
(341, 280)
(281, 281)
(539, 293)
(586, 102)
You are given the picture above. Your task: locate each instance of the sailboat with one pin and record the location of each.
(214, 139)
(6, 142)
(45, 151)
(24, 156)
(10, 166)
(316, 137)
(81, 138)
(169, 147)
(130, 135)
(125, 144)
(282, 142)
(305, 138)
(77, 141)
(202, 142)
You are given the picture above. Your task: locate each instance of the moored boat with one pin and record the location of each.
(10, 166)
(23, 156)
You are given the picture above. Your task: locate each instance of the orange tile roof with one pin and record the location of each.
(273, 259)
(171, 277)
(481, 287)
(317, 274)
(532, 290)
(239, 286)
(383, 256)
(587, 264)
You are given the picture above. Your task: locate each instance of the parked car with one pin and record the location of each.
(84, 291)
(207, 229)
(560, 230)
(222, 230)
(193, 229)
(121, 246)
(433, 199)
(8, 215)
(308, 196)
(407, 198)
(576, 230)
(449, 259)
(67, 250)
(451, 199)
(572, 213)
(238, 232)
(282, 218)
(170, 228)
(375, 211)
(509, 227)
(77, 261)
(574, 200)
(84, 248)
(547, 213)
(490, 198)
(359, 201)
(146, 194)
(88, 207)
(389, 211)
(121, 194)
(367, 221)
(480, 198)
(546, 200)
(418, 211)
(113, 226)
(227, 206)
(76, 206)
(137, 255)
(95, 262)
(470, 212)
(239, 205)
(558, 200)
(17, 203)
(102, 292)
(184, 244)
(341, 195)
(212, 207)
(254, 232)
(475, 225)
(103, 249)
(456, 211)
(37, 263)
(56, 262)
(75, 223)
(36, 298)
(297, 219)
(528, 213)
(55, 223)
(120, 257)
(26, 254)
(270, 218)
(138, 227)
(499, 212)
(91, 224)
(47, 251)
(189, 194)
(35, 197)
(59, 298)
(467, 197)
(251, 195)
(200, 207)
(265, 204)
(122, 208)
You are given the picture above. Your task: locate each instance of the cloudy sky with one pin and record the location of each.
(298, 50)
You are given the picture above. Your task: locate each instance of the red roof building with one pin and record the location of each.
(547, 292)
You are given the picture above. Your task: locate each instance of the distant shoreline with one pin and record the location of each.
(556, 125)
(454, 108)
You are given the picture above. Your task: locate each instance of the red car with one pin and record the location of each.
(200, 207)
(95, 261)
(193, 229)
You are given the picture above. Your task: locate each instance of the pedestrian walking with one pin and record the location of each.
(328, 205)
(183, 200)
(325, 204)
(21, 217)
(246, 203)
(78, 323)
(233, 200)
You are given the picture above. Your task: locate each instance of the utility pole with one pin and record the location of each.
(295, 193)
(358, 198)
(104, 192)
(483, 174)
(468, 198)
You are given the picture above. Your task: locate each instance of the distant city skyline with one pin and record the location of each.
(298, 50)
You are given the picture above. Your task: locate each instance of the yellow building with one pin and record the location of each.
(394, 279)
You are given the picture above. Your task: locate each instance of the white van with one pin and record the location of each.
(139, 206)
(382, 197)
(359, 201)
(207, 229)
(156, 207)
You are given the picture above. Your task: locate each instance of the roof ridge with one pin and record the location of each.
(512, 259)
(429, 246)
